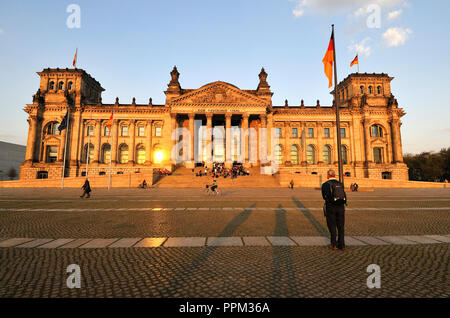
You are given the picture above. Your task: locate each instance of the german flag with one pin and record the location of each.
(355, 61)
(109, 122)
(74, 63)
(328, 61)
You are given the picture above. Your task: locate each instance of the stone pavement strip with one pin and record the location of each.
(47, 243)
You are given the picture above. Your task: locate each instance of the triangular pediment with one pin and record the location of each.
(218, 93)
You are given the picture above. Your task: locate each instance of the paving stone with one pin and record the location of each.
(353, 241)
(150, 242)
(441, 238)
(35, 243)
(56, 243)
(99, 243)
(76, 243)
(420, 239)
(397, 240)
(281, 241)
(371, 240)
(14, 241)
(125, 242)
(224, 241)
(255, 241)
(311, 240)
(185, 241)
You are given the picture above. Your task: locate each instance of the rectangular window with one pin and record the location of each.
(124, 130)
(343, 133)
(141, 131)
(158, 131)
(106, 133)
(294, 133)
(326, 132)
(52, 153)
(278, 132)
(90, 130)
(311, 132)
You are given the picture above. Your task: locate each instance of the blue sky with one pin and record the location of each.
(130, 48)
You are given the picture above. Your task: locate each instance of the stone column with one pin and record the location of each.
(149, 151)
(62, 140)
(245, 136)
(115, 141)
(303, 145)
(367, 140)
(287, 157)
(173, 141)
(269, 135)
(319, 129)
(131, 158)
(31, 141)
(262, 140)
(397, 140)
(98, 143)
(74, 140)
(192, 138)
(209, 138)
(228, 159)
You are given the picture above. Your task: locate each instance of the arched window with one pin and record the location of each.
(123, 153)
(376, 131)
(378, 90)
(88, 153)
(60, 85)
(294, 154)
(69, 85)
(370, 90)
(140, 154)
(52, 128)
(106, 131)
(310, 155)
(278, 154)
(344, 154)
(361, 90)
(51, 85)
(327, 154)
(106, 153)
(378, 155)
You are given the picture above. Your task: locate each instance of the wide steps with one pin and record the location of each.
(184, 178)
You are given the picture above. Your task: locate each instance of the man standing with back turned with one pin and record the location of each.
(335, 198)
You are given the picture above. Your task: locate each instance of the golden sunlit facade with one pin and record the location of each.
(217, 122)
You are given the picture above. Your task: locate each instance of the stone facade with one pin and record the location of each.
(217, 122)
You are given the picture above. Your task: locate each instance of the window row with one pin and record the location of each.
(370, 90)
(157, 131)
(310, 154)
(122, 154)
(51, 85)
(310, 132)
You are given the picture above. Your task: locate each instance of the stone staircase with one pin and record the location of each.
(183, 178)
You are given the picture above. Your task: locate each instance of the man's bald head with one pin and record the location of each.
(331, 173)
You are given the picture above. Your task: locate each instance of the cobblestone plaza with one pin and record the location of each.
(242, 243)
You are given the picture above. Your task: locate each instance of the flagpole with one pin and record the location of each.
(338, 123)
(111, 152)
(358, 62)
(65, 147)
(88, 150)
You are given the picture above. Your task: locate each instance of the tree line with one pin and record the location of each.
(429, 166)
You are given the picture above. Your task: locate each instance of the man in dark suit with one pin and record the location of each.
(335, 199)
(87, 189)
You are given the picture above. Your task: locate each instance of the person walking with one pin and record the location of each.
(87, 189)
(334, 209)
(291, 184)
